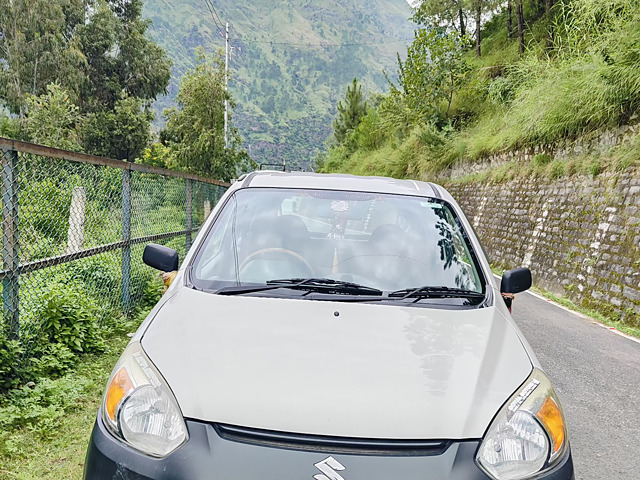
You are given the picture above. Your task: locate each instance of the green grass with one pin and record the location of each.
(52, 442)
(589, 312)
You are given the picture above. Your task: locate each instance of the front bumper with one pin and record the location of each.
(206, 455)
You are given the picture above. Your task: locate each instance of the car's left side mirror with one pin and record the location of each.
(516, 280)
(160, 257)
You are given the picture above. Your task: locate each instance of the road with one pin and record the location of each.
(596, 374)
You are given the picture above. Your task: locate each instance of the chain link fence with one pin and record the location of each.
(73, 230)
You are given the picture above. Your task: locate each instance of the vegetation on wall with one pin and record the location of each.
(579, 73)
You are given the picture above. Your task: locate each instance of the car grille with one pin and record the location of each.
(320, 443)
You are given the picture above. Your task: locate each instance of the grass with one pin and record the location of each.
(589, 312)
(619, 158)
(53, 445)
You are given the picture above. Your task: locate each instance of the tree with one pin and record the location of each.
(195, 129)
(350, 113)
(95, 50)
(157, 155)
(52, 119)
(509, 20)
(478, 9)
(520, 20)
(119, 56)
(432, 73)
(122, 133)
(449, 13)
(452, 15)
(37, 48)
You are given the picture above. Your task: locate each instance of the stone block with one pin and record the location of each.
(631, 293)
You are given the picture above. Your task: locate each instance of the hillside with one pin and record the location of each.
(292, 61)
(578, 75)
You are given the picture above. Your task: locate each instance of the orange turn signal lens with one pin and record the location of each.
(120, 385)
(549, 414)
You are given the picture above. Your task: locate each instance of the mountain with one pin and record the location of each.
(291, 61)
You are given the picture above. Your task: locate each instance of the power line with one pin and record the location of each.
(215, 12)
(293, 44)
(214, 16)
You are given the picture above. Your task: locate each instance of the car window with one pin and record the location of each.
(389, 242)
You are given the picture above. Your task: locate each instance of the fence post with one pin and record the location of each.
(188, 212)
(126, 237)
(207, 208)
(77, 217)
(10, 252)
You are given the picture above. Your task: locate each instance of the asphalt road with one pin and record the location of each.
(596, 374)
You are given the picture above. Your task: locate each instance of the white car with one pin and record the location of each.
(331, 327)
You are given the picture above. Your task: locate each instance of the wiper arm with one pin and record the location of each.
(325, 285)
(437, 292)
(240, 289)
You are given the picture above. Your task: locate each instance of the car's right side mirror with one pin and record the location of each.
(516, 280)
(160, 257)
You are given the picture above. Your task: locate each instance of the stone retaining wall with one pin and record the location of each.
(596, 143)
(580, 236)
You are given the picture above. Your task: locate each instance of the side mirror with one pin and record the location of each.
(516, 281)
(160, 257)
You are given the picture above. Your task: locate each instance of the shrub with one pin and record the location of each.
(10, 354)
(53, 361)
(45, 207)
(69, 318)
(556, 169)
(541, 160)
(41, 404)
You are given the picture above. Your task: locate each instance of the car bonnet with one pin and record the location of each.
(338, 369)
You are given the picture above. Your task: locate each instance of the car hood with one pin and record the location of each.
(338, 369)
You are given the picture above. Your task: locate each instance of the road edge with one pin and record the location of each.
(581, 315)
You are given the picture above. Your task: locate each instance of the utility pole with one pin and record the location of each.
(226, 88)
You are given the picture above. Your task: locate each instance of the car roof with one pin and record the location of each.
(335, 181)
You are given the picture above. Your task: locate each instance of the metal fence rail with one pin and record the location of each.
(77, 223)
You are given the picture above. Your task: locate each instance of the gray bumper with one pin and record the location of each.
(209, 456)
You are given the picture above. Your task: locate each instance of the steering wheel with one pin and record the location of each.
(300, 260)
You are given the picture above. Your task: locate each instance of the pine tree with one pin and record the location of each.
(350, 113)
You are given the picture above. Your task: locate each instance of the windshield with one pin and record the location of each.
(386, 242)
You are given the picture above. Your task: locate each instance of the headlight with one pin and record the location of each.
(139, 408)
(528, 436)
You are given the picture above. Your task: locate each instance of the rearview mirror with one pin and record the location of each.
(516, 281)
(160, 257)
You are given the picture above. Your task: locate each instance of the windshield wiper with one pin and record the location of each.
(240, 289)
(437, 292)
(325, 285)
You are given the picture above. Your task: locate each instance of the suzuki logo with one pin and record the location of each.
(330, 467)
